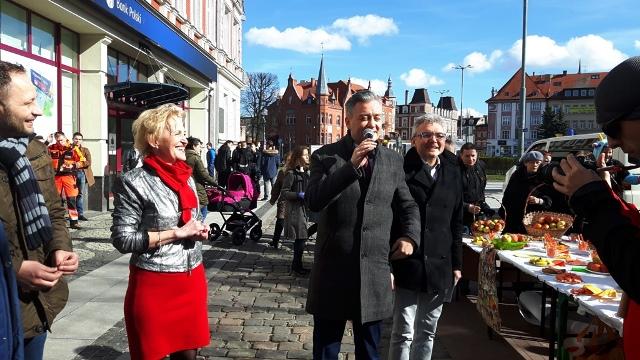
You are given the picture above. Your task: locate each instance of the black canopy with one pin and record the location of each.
(145, 94)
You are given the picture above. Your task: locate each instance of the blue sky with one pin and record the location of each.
(415, 42)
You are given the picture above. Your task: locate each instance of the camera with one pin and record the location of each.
(545, 172)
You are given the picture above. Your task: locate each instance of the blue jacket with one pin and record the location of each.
(211, 158)
(11, 336)
(270, 163)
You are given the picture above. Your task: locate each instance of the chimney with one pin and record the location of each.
(406, 96)
(564, 72)
(493, 91)
(313, 82)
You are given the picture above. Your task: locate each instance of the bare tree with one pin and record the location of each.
(261, 91)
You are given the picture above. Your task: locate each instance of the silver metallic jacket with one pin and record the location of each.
(144, 203)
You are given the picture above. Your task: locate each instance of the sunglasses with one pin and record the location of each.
(430, 134)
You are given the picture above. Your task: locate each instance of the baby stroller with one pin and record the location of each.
(235, 206)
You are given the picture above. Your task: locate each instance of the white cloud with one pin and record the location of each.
(479, 62)
(637, 44)
(471, 112)
(377, 86)
(298, 39)
(418, 78)
(363, 27)
(595, 52)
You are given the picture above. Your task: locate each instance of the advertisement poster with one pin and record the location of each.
(44, 78)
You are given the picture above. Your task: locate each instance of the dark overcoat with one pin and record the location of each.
(440, 202)
(350, 278)
(518, 189)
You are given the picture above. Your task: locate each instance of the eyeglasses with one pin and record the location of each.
(430, 134)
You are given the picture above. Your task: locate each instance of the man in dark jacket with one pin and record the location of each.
(358, 188)
(31, 212)
(474, 181)
(426, 279)
(242, 158)
(223, 163)
(611, 224)
(200, 175)
(270, 161)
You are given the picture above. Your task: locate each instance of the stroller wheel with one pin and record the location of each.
(214, 232)
(238, 235)
(256, 233)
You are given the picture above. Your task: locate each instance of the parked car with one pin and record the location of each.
(561, 146)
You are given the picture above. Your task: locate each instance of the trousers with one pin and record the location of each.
(327, 337)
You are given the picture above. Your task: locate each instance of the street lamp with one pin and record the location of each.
(523, 91)
(264, 126)
(462, 68)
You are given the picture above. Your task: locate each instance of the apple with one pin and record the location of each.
(562, 223)
(548, 219)
(553, 226)
(561, 226)
(537, 226)
(506, 238)
(545, 226)
(541, 220)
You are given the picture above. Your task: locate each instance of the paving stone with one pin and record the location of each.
(300, 354)
(290, 346)
(228, 321)
(256, 336)
(284, 337)
(213, 351)
(271, 354)
(253, 322)
(258, 329)
(238, 345)
(265, 345)
(241, 353)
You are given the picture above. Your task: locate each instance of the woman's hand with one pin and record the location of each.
(194, 230)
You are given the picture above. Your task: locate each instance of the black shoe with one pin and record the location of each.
(74, 225)
(274, 244)
(300, 271)
(81, 217)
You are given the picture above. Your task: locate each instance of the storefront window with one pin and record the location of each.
(42, 37)
(123, 68)
(112, 67)
(69, 46)
(13, 25)
(69, 102)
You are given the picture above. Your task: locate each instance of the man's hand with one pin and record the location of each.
(359, 156)
(66, 261)
(402, 248)
(36, 276)
(473, 209)
(457, 275)
(576, 176)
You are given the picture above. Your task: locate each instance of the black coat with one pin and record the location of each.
(222, 162)
(474, 182)
(350, 278)
(515, 197)
(440, 202)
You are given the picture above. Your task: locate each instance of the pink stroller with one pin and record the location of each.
(235, 204)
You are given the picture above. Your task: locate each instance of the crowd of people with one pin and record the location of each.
(389, 229)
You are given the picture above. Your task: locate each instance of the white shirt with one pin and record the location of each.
(434, 168)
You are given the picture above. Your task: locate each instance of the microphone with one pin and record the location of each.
(368, 133)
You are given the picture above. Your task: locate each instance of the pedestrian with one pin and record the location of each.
(294, 185)
(474, 182)
(242, 158)
(65, 161)
(31, 212)
(11, 333)
(255, 170)
(211, 159)
(84, 174)
(426, 279)
(223, 163)
(269, 167)
(154, 219)
(200, 175)
(611, 224)
(520, 192)
(351, 277)
(281, 210)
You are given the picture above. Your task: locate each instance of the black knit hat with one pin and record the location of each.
(618, 95)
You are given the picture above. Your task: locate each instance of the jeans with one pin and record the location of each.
(81, 181)
(327, 337)
(204, 211)
(415, 318)
(34, 347)
(268, 184)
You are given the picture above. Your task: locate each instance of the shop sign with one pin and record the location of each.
(161, 34)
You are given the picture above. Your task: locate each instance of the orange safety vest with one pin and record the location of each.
(65, 158)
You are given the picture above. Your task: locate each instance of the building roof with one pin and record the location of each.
(389, 92)
(322, 88)
(447, 103)
(420, 96)
(547, 85)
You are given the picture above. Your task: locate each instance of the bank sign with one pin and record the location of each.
(161, 34)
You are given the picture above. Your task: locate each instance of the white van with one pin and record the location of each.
(561, 146)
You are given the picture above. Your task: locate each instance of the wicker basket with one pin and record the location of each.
(496, 217)
(528, 222)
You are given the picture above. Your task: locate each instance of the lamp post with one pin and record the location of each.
(264, 126)
(523, 91)
(462, 68)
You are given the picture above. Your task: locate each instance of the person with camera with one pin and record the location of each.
(611, 224)
(521, 191)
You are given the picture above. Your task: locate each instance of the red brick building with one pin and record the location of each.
(312, 112)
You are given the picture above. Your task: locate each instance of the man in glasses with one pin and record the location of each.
(611, 224)
(425, 280)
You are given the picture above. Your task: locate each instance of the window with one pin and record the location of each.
(405, 122)
(196, 14)
(583, 92)
(505, 134)
(567, 93)
(506, 120)
(211, 25)
(536, 105)
(221, 119)
(506, 107)
(421, 109)
(42, 35)
(112, 66)
(181, 6)
(330, 119)
(291, 118)
(338, 120)
(307, 119)
(321, 118)
(556, 109)
(575, 92)
(329, 138)
(70, 100)
(592, 92)
(69, 47)
(13, 25)
(536, 119)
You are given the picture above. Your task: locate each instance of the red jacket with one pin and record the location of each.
(613, 227)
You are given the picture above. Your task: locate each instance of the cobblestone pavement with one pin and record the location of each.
(256, 307)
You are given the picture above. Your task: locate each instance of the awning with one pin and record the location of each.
(145, 94)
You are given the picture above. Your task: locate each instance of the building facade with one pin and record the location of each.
(97, 64)
(312, 112)
(571, 94)
(419, 105)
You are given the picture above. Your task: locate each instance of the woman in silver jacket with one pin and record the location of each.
(155, 219)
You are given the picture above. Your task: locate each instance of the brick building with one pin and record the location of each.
(312, 112)
(571, 94)
(419, 105)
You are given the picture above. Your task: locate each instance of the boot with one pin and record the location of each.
(74, 224)
(276, 233)
(296, 264)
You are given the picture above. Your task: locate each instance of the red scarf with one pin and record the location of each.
(176, 177)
